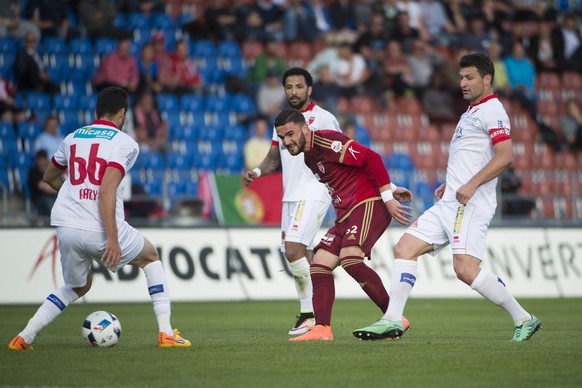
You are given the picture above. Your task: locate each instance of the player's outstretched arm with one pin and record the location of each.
(53, 176)
(107, 203)
(267, 166)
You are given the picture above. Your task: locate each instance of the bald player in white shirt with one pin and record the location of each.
(90, 221)
(479, 152)
(305, 200)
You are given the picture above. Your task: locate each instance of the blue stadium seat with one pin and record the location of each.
(142, 35)
(38, 100)
(217, 104)
(190, 188)
(202, 49)
(223, 119)
(167, 102)
(8, 45)
(241, 103)
(138, 20)
(7, 64)
(189, 133)
(41, 114)
(191, 103)
(6, 181)
(211, 133)
(235, 67)
(236, 133)
(88, 102)
(7, 131)
(178, 161)
(78, 89)
(232, 163)
(228, 49)
(153, 188)
(81, 46)
(120, 20)
(207, 162)
(152, 160)
(53, 45)
(28, 131)
(20, 159)
(161, 21)
(64, 102)
(69, 120)
(104, 46)
(401, 161)
(85, 61)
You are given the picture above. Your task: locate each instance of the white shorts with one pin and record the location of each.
(300, 222)
(79, 247)
(464, 227)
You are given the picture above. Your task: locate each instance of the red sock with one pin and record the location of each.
(323, 293)
(368, 280)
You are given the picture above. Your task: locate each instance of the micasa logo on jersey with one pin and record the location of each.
(95, 133)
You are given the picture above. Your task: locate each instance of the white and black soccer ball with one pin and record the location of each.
(101, 329)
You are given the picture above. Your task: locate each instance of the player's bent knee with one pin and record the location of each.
(294, 251)
(148, 255)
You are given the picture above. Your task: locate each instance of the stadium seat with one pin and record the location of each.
(6, 181)
(235, 67)
(242, 104)
(251, 49)
(207, 162)
(88, 102)
(202, 49)
(161, 21)
(38, 100)
(153, 188)
(152, 161)
(192, 103)
(167, 102)
(178, 161)
(28, 131)
(53, 45)
(64, 102)
(104, 46)
(7, 131)
(236, 133)
(189, 133)
(7, 45)
(137, 20)
(142, 35)
(211, 133)
(228, 49)
(80, 46)
(232, 163)
(217, 104)
(223, 119)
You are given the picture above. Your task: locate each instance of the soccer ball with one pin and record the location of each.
(101, 329)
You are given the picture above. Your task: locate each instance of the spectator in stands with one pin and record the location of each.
(372, 43)
(403, 33)
(149, 71)
(98, 17)
(253, 26)
(42, 194)
(184, 75)
(363, 13)
(29, 72)
(438, 102)
(423, 60)
(571, 126)
(50, 139)
(397, 72)
(221, 19)
(146, 7)
(327, 56)
(151, 131)
(272, 15)
(412, 7)
(300, 21)
(270, 97)
(501, 81)
(343, 14)
(546, 49)
(258, 145)
(325, 90)
(10, 112)
(476, 37)
(522, 75)
(162, 57)
(512, 204)
(350, 71)
(438, 26)
(270, 60)
(118, 68)
(49, 16)
(572, 43)
(12, 25)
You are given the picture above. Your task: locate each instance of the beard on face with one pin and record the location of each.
(298, 104)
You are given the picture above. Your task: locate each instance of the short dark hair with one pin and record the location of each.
(111, 100)
(480, 61)
(289, 115)
(298, 71)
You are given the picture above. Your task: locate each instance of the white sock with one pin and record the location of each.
(54, 304)
(494, 290)
(158, 290)
(302, 277)
(401, 282)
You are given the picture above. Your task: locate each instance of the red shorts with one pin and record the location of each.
(363, 227)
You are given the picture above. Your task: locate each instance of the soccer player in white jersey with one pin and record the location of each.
(305, 200)
(89, 218)
(479, 152)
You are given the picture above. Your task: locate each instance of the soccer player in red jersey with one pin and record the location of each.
(365, 201)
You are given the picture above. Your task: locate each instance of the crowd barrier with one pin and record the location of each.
(233, 264)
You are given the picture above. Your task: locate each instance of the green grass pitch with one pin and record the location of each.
(452, 343)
